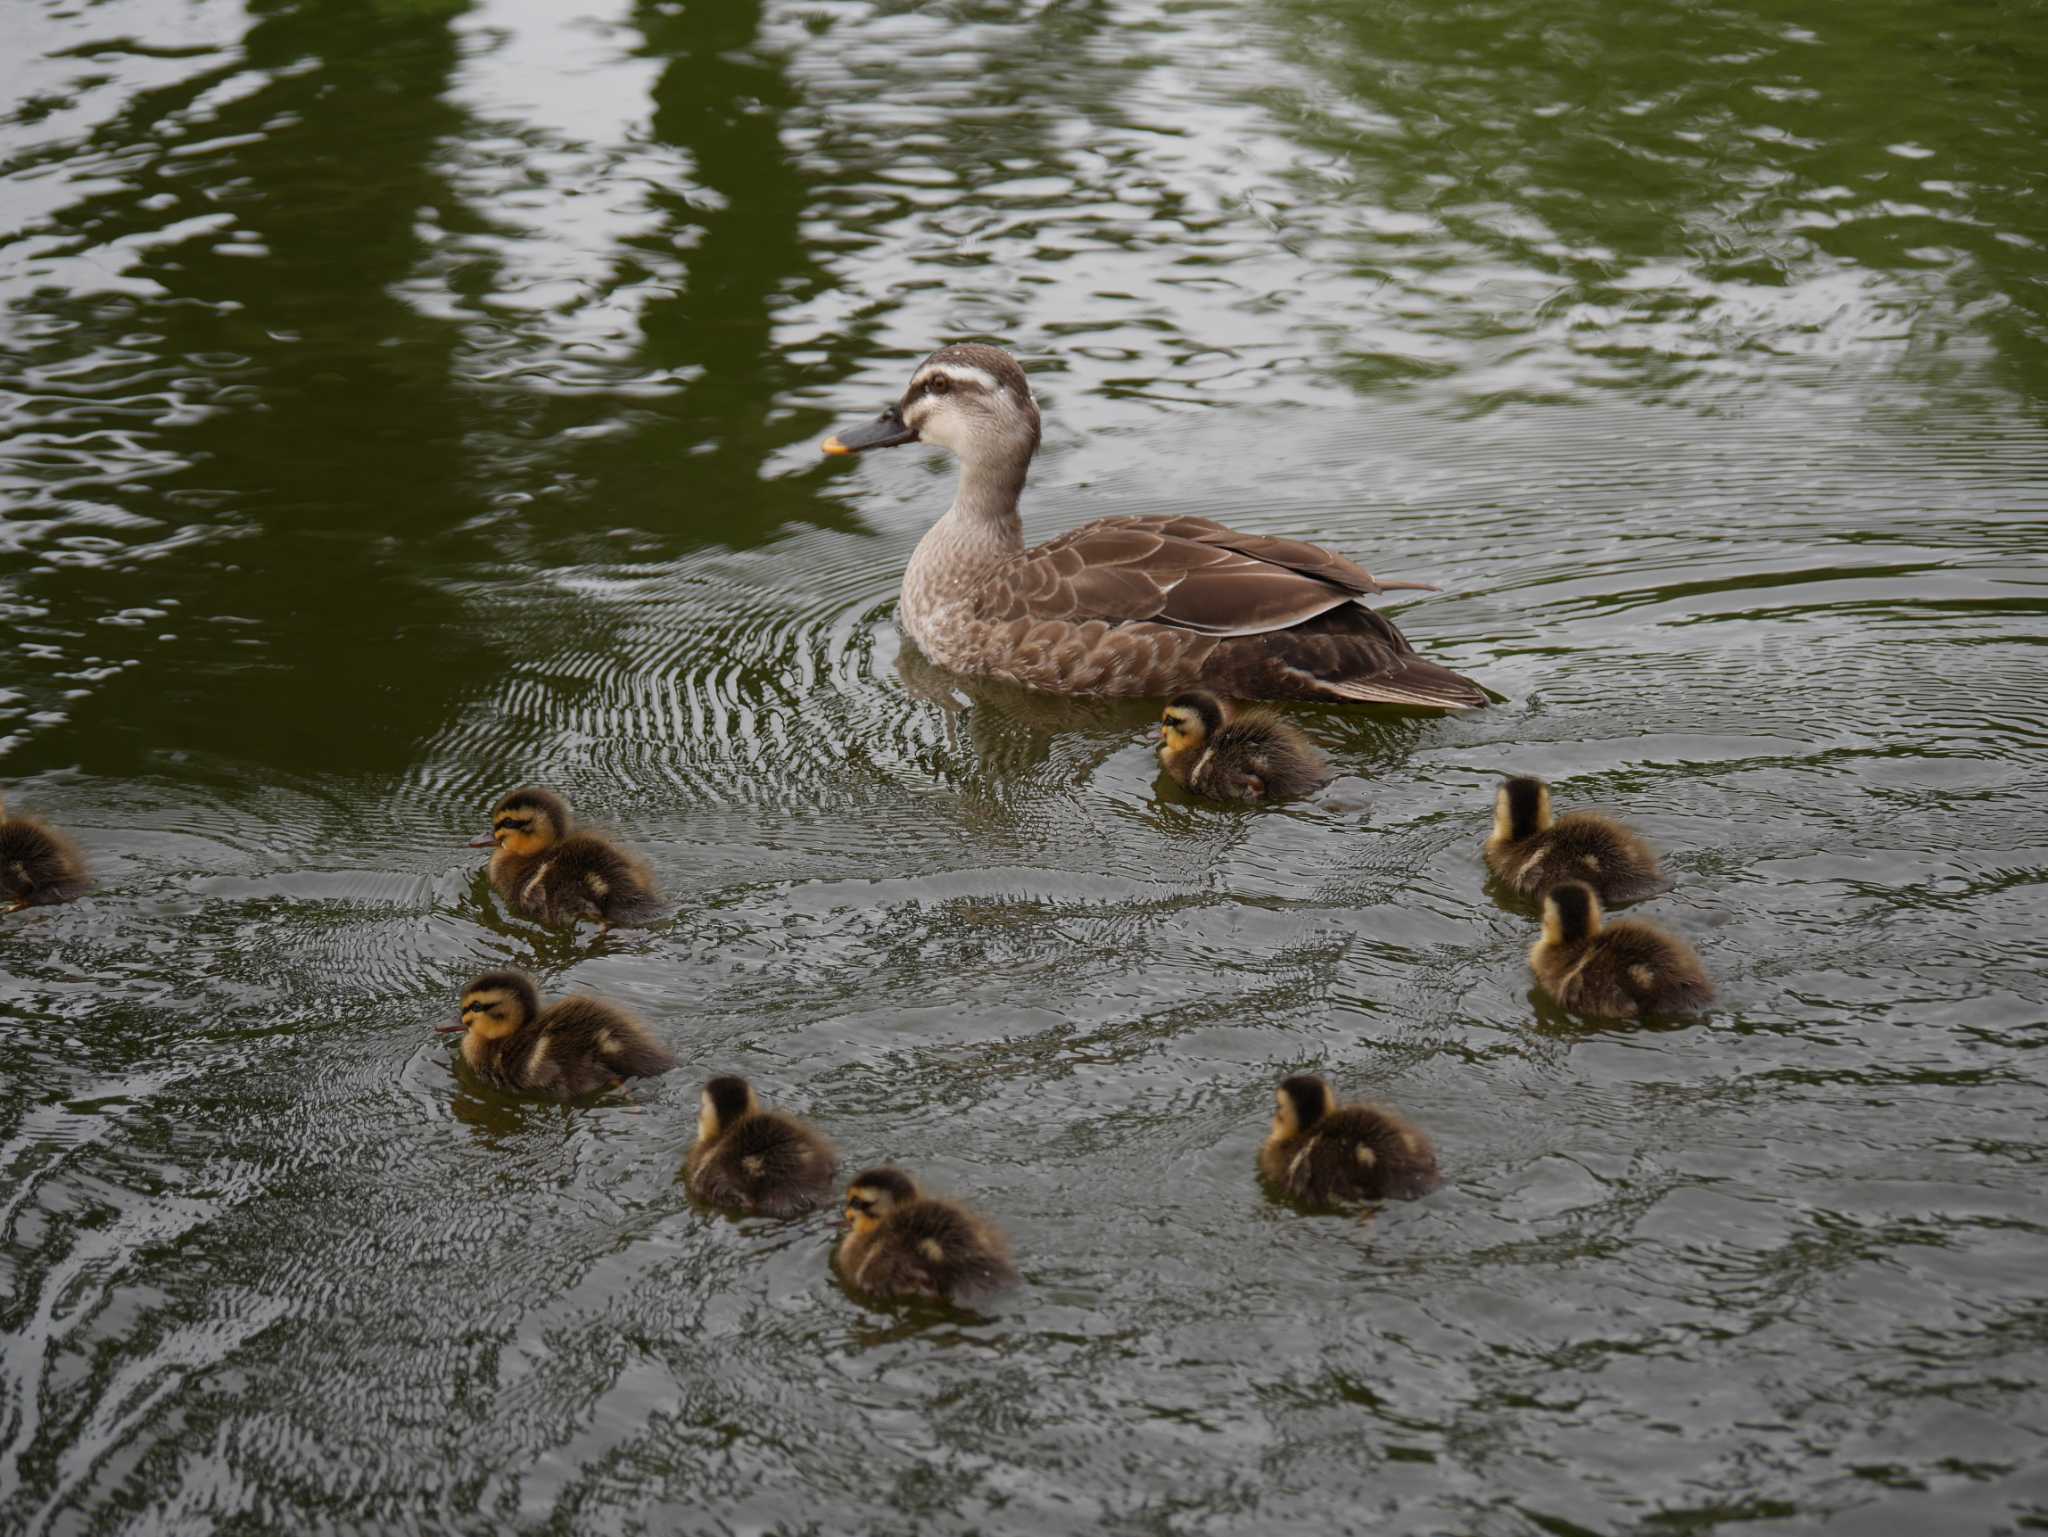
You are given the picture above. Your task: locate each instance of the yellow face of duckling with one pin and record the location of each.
(866, 1206)
(491, 1012)
(1180, 730)
(524, 830)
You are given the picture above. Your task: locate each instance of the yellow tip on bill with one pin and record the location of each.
(832, 445)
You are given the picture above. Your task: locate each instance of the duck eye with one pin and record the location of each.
(938, 384)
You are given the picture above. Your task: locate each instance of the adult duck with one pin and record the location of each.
(1133, 606)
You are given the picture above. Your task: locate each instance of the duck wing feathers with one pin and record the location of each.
(1145, 606)
(1188, 572)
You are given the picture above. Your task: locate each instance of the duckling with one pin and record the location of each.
(38, 865)
(1242, 755)
(1326, 1153)
(904, 1243)
(755, 1159)
(1531, 853)
(545, 867)
(1620, 970)
(574, 1048)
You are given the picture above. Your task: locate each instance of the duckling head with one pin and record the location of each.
(1571, 912)
(1189, 720)
(724, 1101)
(526, 822)
(873, 1195)
(1299, 1103)
(1520, 808)
(971, 399)
(496, 1004)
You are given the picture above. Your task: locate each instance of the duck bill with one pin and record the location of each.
(450, 1029)
(481, 843)
(886, 431)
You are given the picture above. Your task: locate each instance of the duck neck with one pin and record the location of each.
(983, 524)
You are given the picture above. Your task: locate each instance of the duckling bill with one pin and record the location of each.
(1619, 970)
(548, 868)
(1237, 755)
(578, 1046)
(901, 1242)
(1531, 853)
(1328, 1154)
(754, 1160)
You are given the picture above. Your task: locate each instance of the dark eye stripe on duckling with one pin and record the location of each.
(510, 824)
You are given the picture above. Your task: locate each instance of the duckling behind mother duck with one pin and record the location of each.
(1131, 606)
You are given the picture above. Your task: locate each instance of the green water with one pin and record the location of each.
(404, 400)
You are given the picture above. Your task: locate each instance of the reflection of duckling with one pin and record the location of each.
(1531, 853)
(1617, 970)
(1247, 755)
(546, 868)
(38, 864)
(757, 1160)
(904, 1243)
(1325, 1153)
(576, 1047)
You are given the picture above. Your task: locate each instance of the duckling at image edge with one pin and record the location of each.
(38, 865)
(1618, 970)
(572, 1048)
(904, 1243)
(547, 869)
(1326, 1153)
(754, 1160)
(1236, 754)
(1531, 853)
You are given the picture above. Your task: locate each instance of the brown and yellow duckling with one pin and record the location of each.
(754, 1160)
(1615, 970)
(573, 1048)
(1531, 853)
(1325, 1153)
(1237, 755)
(903, 1243)
(38, 864)
(549, 870)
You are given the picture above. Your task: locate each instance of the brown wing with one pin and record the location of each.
(1186, 572)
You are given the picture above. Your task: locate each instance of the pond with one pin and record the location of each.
(407, 399)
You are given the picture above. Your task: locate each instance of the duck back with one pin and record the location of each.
(928, 1248)
(1355, 1153)
(582, 876)
(766, 1163)
(1614, 860)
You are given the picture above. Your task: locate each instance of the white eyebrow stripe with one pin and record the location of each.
(960, 373)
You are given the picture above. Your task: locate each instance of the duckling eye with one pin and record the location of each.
(938, 384)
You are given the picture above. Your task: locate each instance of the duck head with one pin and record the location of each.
(971, 399)
(526, 822)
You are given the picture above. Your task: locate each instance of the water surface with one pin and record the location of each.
(407, 399)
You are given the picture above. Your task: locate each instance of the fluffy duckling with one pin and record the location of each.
(1617, 971)
(756, 1160)
(904, 1243)
(546, 868)
(576, 1047)
(1326, 1153)
(1242, 755)
(1531, 853)
(38, 864)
